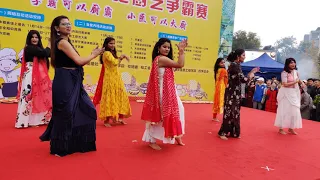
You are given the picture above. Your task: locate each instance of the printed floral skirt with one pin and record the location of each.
(24, 116)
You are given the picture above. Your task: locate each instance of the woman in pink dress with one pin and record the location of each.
(289, 99)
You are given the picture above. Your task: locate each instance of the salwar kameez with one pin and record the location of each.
(163, 110)
(156, 131)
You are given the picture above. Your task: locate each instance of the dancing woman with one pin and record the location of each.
(289, 99)
(232, 99)
(221, 78)
(73, 124)
(111, 91)
(35, 87)
(163, 110)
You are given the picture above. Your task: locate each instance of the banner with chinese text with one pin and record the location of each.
(135, 24)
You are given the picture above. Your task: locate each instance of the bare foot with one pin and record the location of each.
(107, 125)
(122, 122)
(281, 131)
(223, 137)
(179, 141)
(292, 132)
(215, 119)
(155, 146)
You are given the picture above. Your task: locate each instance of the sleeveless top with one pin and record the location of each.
(61, 59)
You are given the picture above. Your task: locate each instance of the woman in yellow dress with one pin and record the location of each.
(111, 93)
(221, 79)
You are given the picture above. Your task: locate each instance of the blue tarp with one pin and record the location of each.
(268, 67)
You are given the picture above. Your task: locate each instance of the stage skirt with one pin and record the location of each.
(25, 117)
(73, 124)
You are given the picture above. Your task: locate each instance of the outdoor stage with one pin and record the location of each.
(261, 153)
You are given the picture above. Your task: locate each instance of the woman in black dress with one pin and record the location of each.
(73, 124)
(232, 98)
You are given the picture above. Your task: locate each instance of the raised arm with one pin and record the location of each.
(166, 62)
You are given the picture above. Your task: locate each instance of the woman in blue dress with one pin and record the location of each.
(73, 124)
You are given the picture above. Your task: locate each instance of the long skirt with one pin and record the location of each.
(231, 114)
(154, 132)
(25, 117)
(73, 124)
(288, 112)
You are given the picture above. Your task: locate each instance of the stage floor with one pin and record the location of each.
(261, 153)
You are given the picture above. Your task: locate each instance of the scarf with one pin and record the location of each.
(168, 111)
(41, 92)
(98, 93)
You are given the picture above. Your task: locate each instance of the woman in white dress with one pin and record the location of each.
(289, 99)
(35, 87)
(163, 110)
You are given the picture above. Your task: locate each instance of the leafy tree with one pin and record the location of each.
(244, 40)
(286, 47)
(304, 46)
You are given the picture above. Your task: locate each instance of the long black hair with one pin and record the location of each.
(286, 65)
(30, 36)
(217, 67)
(157, 46)
(54, 36)
(235, 54)
(29, 43)
(105, 46)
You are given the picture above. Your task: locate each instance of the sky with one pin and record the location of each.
(274, 19)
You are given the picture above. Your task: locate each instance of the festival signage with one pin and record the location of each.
(135, 24)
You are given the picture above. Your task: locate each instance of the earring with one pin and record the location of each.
(158, 52)
(58, 33)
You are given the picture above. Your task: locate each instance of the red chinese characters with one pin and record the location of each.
(157, 5)
(187, 8)
(122, 1)
(173, 23)
(173, 5)
(183, 25)
(153, 19)
(81, 7)
(164, 22)
(35, 2)
(107, 12)
(202, 11)
(52, 4)
(142, 18)
(67, 4)
(139, 3)
(131, 16)
(95, 9)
